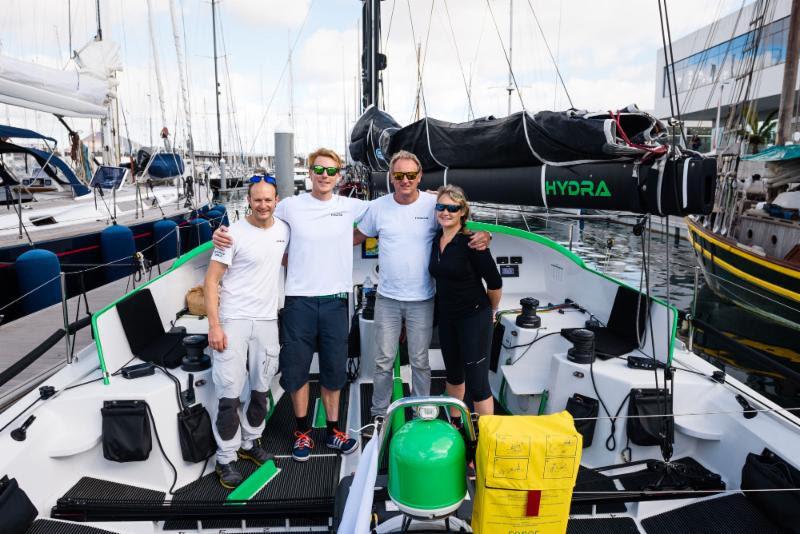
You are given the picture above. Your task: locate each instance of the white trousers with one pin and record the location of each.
(242, 374)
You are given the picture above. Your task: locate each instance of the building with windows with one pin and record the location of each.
(711, 64)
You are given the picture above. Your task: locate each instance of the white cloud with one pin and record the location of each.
(267, 14)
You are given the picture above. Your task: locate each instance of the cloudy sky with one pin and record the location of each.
(606, 51)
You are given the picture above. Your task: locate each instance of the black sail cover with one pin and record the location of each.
(575, 159)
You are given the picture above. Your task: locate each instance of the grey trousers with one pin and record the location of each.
(251, 359)
(389, 315)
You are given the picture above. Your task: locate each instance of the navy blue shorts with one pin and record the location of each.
(310, 324)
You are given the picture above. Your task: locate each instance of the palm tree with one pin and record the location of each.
(758, 135)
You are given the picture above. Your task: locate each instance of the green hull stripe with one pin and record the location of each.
(320, 415)
(254, 483)
(522, 234)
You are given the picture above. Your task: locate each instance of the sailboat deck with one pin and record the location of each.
(9, 234)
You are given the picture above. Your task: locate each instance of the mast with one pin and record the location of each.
(510, 87)
(216, 91)
(372, 60)
(789, 77)
(99, 36)
(187, 110)
(107, 131)
(157, 67)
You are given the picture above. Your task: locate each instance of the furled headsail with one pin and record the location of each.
(569, 159)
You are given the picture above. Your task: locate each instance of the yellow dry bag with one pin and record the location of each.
(526, 468)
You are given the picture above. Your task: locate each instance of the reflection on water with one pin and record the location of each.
(612, 248)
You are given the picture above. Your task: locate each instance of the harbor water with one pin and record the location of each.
(612, 247)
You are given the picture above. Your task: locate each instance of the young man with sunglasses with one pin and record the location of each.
(319, 277)
(405, 224)
(241, 295)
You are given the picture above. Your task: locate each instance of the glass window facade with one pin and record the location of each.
(725, 59)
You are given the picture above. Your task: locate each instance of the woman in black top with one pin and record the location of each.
(465, 308)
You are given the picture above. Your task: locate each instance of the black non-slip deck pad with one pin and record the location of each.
(732, 514)
(48, 526)
(278, 436)
(602, 525)
(590, 480)
(310, 485)
(94, 489)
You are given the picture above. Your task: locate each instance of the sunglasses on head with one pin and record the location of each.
(451, 208)
(257, 178)
(410, 175)
(319, 169)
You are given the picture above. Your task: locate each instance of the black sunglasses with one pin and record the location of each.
(257, 178)
(410, 176)
(451, 208)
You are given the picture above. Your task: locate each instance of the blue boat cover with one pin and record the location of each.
(43, 157)
(776, 153)
(77, 185)
(21, 133)
(166, 165)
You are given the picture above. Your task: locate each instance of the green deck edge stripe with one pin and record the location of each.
(254, 483)
(320, 415)
(522, 234)
(399, 418)
(176, 265)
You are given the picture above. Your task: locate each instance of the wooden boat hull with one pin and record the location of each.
(765, 286)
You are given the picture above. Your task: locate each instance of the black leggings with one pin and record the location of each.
(465, 343)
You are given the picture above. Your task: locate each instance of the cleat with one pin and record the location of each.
(257, 455)
(301, 450)
(341, 442)
(229, 476)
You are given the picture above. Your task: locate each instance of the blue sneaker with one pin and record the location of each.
(301, 450)
(341, 442)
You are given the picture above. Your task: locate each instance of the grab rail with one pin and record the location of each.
(411, 402)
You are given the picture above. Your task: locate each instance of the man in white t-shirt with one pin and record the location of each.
(319, 277)
(241, 296)
(405, 224)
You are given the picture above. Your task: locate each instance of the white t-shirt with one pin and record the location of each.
(406, 233)
(250, 285)
(321, 250)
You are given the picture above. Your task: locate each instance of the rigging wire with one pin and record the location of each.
(420, 93)
(477, 49)
(389, 31)
(550, 52)
(229, 100)
(280, 78)
(460, 65)
(505, 54)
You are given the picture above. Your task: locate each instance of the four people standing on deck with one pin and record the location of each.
(319, 278)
